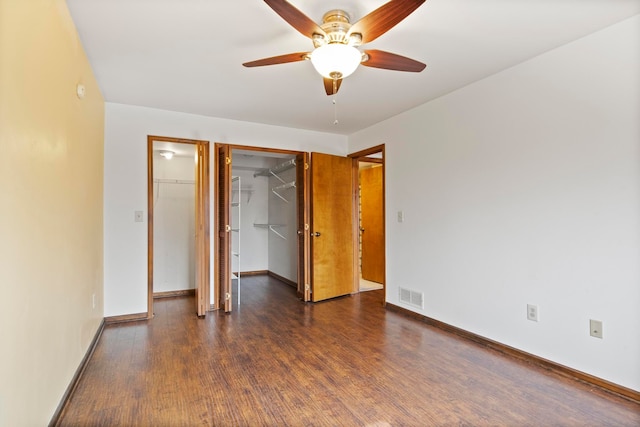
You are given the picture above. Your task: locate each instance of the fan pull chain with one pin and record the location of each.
(335, 100)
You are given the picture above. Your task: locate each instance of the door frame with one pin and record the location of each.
(300, 169)
(202, 206)
(303, 248)
(358, 156)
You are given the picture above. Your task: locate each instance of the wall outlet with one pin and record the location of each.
(532, 312)
(595, 328)
(138, 216)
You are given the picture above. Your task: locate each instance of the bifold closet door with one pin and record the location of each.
(224, 226)
(202, 230)
(304, 238)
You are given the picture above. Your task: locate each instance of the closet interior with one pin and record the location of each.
(263, 217)
(173, 219)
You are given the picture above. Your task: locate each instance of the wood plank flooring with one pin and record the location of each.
(276, 361)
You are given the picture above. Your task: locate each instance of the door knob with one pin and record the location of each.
(316, 234)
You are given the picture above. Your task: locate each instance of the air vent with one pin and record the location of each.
(412, 298)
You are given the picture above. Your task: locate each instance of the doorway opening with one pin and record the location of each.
(323, 208)
(178, 231)
(369, 168)
(257, 219)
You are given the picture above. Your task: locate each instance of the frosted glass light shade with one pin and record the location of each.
(335, 59)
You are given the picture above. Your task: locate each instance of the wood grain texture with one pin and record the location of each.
(223, 218)
(276, 361)
(332, 224)
(384, 18)
(173, 294)
(303, 204)
(126, 318)
(527, 357)
(203, 257)
(372, 225)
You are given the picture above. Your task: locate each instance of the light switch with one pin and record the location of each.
(400, 216)
(139, 216)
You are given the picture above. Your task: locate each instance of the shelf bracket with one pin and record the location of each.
(271, 227)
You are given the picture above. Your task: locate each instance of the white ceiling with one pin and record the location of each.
(186, 55)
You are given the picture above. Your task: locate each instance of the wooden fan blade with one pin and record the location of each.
(329, 88)
(391, 61)
(282, 59)
(384, 18)
(295, 18)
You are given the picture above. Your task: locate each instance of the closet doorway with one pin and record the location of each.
(369, 169)
(323, 215)
(257, 219)
(178, 226)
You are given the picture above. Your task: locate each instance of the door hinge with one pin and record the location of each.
(227, 296)
(306, 166)
(307, 287)
(227, 160)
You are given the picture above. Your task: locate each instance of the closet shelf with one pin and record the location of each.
(272, 228)
(284, 186)
(274, 171)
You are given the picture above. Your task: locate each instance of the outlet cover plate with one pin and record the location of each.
(532, 312)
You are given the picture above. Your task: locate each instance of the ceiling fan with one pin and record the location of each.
(335, 55)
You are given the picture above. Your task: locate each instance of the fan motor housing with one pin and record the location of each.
(336, 24)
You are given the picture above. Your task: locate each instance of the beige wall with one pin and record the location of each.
(51, 199)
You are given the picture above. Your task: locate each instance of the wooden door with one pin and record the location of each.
(203, 282)
(303, 227)
(371, 224)
(332, 226)
(224, 227)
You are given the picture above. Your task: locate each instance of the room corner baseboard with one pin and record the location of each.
(283, 279)
(125, 318)
(173, 294)
(57, 415)
(254, 273)
(557, 368)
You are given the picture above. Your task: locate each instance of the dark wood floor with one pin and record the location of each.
(348, 362)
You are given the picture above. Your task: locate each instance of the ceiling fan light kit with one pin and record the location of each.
(336, 60)
(335, 55)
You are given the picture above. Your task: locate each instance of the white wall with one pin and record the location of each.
(525, 188)
(125, 183)
(174, 244)
(50, 208)
(253, 208)
(283, 253)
